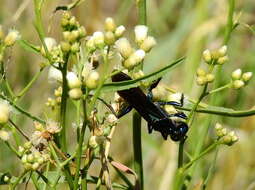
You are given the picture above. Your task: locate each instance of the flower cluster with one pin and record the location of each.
(216, 57)
(204, 77)
(225, 137)
(31, 158)
(132, 57)
(240, 79)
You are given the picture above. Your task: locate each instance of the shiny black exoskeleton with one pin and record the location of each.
(157, 118)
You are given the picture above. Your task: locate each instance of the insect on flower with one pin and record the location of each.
(157, 118)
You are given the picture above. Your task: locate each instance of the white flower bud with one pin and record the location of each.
(140, 33)
(4, 112)
(201, 72)
(28, 166)
(112, 118)
(109, 38)
(207, 56)
(201, 80)
(90, 44)
(148, 43)
(30, 158)
(222, 51)
(120, 31)
(6, 179)
(218, 126)
(238, 84)
(21, 149)
(65, 46)
(12, 37)
(222, 60)
(27, 145)
(138, 74)
(159, 93)
(50, 43)
(124, 48)
(134, 59)
(72, 80)
(75, 93)
(236, 74)
(110, 24)
(98, 39)
(75, 47)
(54, 75)
(24, 158)
(93, 142)
(35, 166)
(247, 76)
(209, 77)
(4, 135)
(92, 80)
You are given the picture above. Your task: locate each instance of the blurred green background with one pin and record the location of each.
(181, 27)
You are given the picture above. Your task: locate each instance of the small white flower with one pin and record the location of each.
(134, 59)
(98, 39)
(12, 37)
(207, 56)
(54, 75)
(53, 127)
(247, 76)
(148, 43)
(73, 80)
(120, 31)
(4, 112)
(141, 32)
(110, 24)
(50, 43)
(236, 74)
(222, 51)
(124, 48)
(4, 135)
(112, 118)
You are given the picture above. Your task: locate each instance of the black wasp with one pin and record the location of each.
(157, 118)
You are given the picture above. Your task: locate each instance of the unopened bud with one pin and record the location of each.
(140, 33)
(74, 35)
(30, 158)
(92, 142)
(222, 51)
(27, 145)
(109, 38)
(65, 46)
(209, 77)
(75, 93)
(236, 74)
(98, 39)
(134, 59)
(11, 38)
(222, 60)
(159, 93)
(21, 150)
(28, 166)
(247, 76)
(82, 32)
(4, 112)
(6, 179)
(112, 118)
(73, 80)
(124, 48)
(148, 43)
(92, 80)
(75, 47)
(201, 80)
(138, 74)
(35, 166)
(238, 84)
(201, 72)
(207, 56)
(110, 24)
(91, 44)
(4, 135)
(119, 31)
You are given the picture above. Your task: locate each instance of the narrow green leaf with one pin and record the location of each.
(28, 46)
(115, 86)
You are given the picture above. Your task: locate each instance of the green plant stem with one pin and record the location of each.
(142, 13)
(19, 130)
(137, 147)
(18, 180)
(180, 153)
(21, 110)
(230, 22)
(35, 77)
(12, 148)
(79, 151)
(63, 105)
(220, 88)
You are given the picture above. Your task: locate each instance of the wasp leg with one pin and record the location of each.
(124, 111)
(173, 103)
(150, 128)
(179, 114)
(153, 85)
